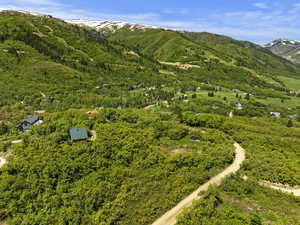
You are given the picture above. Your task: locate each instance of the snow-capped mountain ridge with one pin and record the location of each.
(100, 25)
(282, 42)
(110, 25)
(289, 49)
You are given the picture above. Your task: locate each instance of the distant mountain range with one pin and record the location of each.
(288, 49)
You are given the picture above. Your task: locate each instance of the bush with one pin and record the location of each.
(202, 120)
(211, 121)
(177, 133)
(290, 123)
(3, 128)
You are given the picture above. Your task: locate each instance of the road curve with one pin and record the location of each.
(169, 218)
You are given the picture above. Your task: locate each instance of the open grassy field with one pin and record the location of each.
(293, 102)
(291, 83)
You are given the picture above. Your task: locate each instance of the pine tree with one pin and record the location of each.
(290, 123)
(247, 97)
(211, 94)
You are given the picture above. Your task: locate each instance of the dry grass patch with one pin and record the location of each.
(167, 72)
(180, 65)
(94, 111)
(133, 53)
(179, 151)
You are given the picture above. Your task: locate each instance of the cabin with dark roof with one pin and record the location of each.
(32, 119)
(29, 122)
(25, 126)
(78, 134)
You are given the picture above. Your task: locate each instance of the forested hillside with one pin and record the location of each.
(71, 66)
(139, 166)
(162, 109)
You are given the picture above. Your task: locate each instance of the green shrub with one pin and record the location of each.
(177, 133)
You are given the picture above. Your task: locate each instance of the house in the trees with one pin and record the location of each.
(78, 134)
(239, 106)
(29, 122)
(293, 116)
(275, 114)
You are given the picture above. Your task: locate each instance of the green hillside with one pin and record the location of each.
(199, 48)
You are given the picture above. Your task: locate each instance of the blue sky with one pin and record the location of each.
(258, 21)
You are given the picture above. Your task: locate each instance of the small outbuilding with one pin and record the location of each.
(78, 134)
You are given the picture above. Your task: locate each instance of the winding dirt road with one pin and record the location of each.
(170, 217)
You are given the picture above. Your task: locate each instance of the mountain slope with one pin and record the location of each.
(166, 44)
(191, 47)
(219, 59)
(285, 48)
(246, 54)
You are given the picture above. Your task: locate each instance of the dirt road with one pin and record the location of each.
(281, 187)
(94, 135)
(149, 107)
(170, 217)
(2, 161)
